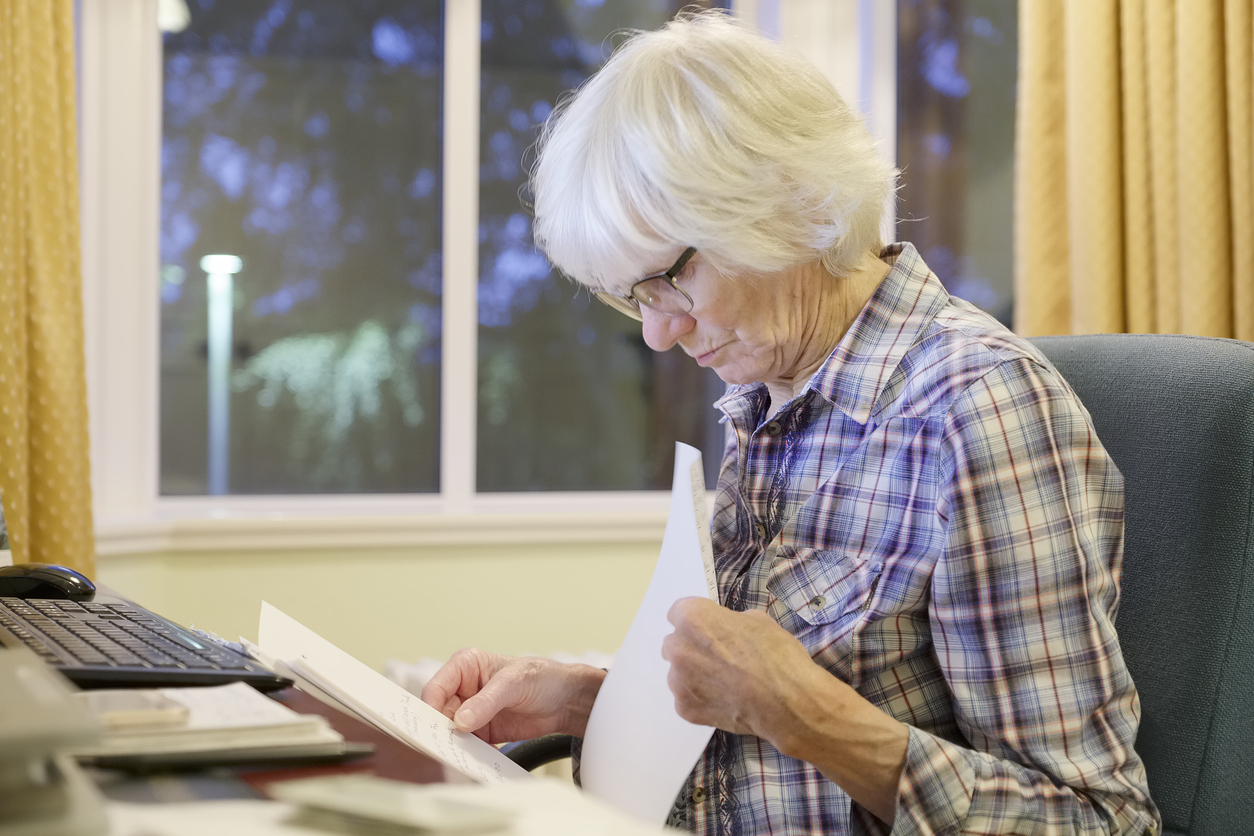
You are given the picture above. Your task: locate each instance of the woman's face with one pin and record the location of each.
(749, 329)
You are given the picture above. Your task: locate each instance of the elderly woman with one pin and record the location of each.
(917, 533)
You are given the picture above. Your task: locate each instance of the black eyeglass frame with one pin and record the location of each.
(629, 303)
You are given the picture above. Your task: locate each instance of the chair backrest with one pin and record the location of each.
(1176, 414)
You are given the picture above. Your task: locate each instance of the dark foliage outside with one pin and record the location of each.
(305, 137)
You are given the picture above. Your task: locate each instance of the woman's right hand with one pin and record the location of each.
(502, 698)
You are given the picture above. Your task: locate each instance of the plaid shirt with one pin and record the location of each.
(936, 521)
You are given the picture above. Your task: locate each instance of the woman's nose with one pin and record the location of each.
(662, 331)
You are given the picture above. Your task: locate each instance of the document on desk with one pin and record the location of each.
(637, 750)
(379, 700)
(220, 718)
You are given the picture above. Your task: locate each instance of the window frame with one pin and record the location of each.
(120, 142)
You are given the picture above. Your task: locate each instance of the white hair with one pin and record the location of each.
(706, 134)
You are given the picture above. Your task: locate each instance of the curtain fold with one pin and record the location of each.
(1134, 172)
(45, 481)
(1239, 73)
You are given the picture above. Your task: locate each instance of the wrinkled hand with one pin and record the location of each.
(742, 672)
(503, 698)
(736, 671)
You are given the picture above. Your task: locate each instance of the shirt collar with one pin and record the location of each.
(906, 301)
(856, 374)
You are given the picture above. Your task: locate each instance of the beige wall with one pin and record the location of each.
(404, 603)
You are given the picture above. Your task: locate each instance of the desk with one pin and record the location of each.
(47, 722)
(547, 807)
(391, 759)
(231, 800)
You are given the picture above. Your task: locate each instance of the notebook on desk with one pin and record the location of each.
(117, 645)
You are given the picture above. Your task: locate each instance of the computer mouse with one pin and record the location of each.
(44, 580)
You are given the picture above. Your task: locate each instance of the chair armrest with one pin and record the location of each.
(539, 750)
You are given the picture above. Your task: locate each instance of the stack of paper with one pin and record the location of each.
(225, 718)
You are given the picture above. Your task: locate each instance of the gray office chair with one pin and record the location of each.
(1177, 416)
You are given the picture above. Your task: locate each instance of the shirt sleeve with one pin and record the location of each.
(1022, 616)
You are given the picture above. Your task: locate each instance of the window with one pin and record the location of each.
(473, 485)
(302, 140)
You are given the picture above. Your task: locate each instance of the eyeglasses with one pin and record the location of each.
(659, 292)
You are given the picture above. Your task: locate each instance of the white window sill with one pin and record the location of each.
(279, 523)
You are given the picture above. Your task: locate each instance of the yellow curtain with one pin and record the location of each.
(44, 471)
(1134, 169)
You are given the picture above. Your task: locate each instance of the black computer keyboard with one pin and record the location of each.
(123, 646)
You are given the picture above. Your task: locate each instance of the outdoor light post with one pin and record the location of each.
(221, 295)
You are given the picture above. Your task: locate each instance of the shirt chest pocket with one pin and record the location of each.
(816, 594)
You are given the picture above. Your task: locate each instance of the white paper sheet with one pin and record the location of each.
(544, 807)
(637, 751)
(387, 704)
(232, 706)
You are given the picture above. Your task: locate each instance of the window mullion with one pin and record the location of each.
(763, 15)
(459, 348)
(877, 85)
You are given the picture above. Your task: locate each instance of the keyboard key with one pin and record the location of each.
(187, 642)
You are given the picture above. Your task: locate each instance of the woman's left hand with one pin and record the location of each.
(735, 671)
(743, 673)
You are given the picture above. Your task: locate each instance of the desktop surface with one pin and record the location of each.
(391, 759)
